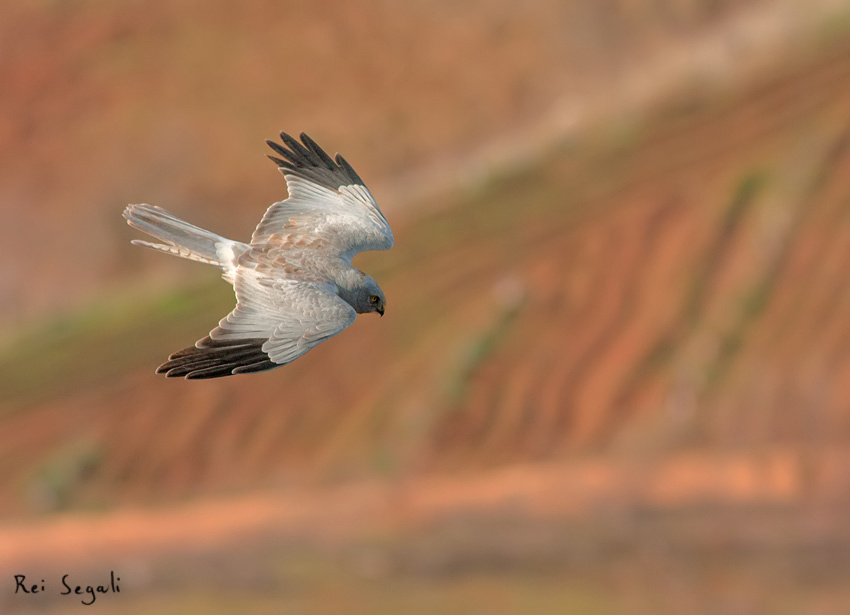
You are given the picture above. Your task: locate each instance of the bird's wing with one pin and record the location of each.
(327, 199)
(274, 323)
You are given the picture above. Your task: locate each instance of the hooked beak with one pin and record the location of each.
(380, 310)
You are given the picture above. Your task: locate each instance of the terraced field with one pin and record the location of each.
(678, 284)
(706, 299)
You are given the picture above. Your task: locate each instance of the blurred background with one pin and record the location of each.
(614, 373)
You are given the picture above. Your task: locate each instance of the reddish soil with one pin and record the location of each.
(652, 320)
(694, 296)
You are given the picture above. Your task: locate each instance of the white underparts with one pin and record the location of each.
(226, 259)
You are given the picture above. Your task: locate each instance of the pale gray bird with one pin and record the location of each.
(294, 283)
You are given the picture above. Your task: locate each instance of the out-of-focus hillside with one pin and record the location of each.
(615, 353)
(108, 103)
(633, 401)
(679, 283)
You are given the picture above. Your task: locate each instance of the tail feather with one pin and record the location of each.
(183, 239)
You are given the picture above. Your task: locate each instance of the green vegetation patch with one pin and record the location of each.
(95, 345)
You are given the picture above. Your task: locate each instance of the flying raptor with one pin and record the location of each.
(294, 283)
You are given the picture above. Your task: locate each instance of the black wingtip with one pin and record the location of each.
(347, 168)
(307, 160)
(307, 141)
(296, 147)
(210, 358)
(281, 164)
(318, 151)
(280, 149)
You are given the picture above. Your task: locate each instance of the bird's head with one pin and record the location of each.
(361, 292)
(370, 297)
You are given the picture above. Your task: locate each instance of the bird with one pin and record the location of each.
(294, 282)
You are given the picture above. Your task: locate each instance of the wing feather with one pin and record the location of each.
(292, 315)
(273, 323)
(327, 199)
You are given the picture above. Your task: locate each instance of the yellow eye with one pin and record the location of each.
(373, 298)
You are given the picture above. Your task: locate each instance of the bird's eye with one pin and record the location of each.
(373, 298)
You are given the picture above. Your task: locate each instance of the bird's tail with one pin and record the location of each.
(183, 239)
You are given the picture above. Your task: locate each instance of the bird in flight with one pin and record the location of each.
(294, 283)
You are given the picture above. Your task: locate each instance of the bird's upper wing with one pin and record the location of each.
(275, 321)
(326, 199)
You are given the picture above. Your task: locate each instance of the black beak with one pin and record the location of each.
(380, 310)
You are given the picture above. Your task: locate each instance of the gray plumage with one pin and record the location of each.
(294, 283)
